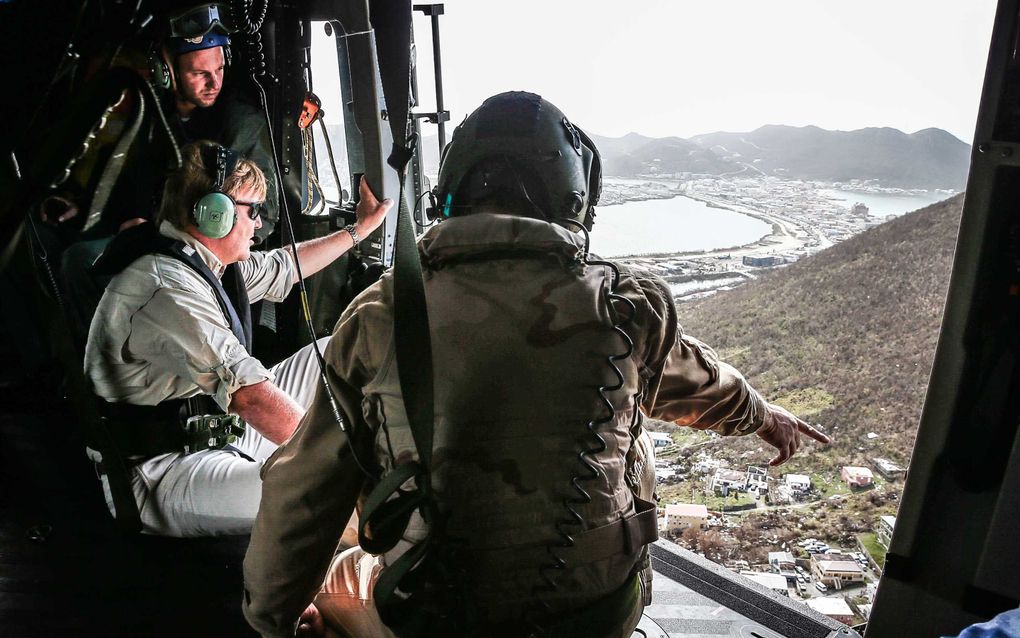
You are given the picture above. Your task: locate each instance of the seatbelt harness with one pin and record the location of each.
(184, 425)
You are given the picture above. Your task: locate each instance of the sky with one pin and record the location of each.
(678, 67)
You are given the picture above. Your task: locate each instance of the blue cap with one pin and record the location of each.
(180, 46)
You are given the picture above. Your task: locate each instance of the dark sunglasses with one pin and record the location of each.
(255, 208)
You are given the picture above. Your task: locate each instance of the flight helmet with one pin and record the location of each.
(518, 145)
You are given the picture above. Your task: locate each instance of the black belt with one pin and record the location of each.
(145, 430)
(185, 425)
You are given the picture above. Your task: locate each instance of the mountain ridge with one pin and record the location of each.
(926, 159)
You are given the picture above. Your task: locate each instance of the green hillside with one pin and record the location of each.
(844, 338)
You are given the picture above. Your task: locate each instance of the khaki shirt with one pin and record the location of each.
(311, 484)
(159, 332)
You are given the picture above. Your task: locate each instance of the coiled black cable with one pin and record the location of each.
(588, 472)
(241, 10)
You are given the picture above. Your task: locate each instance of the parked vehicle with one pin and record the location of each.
(821, 587)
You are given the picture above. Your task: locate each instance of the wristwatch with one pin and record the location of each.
(353, 232)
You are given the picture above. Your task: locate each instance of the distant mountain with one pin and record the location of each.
(846, 337)
(618, 145)
(931, 158)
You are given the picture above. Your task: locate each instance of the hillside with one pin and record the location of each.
(844, 338)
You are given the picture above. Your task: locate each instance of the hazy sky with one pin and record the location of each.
(678, 67)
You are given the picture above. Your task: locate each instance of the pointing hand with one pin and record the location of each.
(782, 431)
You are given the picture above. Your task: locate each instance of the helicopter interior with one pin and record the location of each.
(76, 104)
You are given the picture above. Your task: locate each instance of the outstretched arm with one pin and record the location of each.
(690, 386)
(316, 254)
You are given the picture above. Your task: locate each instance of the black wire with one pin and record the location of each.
(417, 201)
(589, 471)
(43, 255)
(257, 67)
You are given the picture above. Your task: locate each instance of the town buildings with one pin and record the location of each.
(856, 477)
(835, 608)
(836, 570)
(885, 529)
(685, 515)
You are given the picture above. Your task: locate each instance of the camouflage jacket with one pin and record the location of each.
(522, 333)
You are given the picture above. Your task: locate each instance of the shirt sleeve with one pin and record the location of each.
(268, 275)
(312, 483)
(184, 333)
(685, 382)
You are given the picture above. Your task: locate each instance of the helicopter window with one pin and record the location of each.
(326, 85)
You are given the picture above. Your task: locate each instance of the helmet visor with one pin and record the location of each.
(199, 21)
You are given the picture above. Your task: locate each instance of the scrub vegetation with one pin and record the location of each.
(845, 339)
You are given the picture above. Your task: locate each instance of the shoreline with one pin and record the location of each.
(803, 218)
(761, 242)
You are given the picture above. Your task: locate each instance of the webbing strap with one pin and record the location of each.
(412, 340)
(240, 327)
(143, 239)
(384, 517)
(382, 521)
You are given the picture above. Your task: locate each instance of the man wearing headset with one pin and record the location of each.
(188, 68)
(537, 512)
(166, 332)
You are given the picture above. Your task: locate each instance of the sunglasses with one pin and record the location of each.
(255, 208)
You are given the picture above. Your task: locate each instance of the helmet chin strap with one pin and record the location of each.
(589, 219)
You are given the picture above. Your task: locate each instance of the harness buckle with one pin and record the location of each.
(211, 432)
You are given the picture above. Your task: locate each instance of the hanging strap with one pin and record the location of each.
(385, 518)
(114, 165)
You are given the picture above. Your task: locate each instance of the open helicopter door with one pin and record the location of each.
(953, 559)
(367, 131)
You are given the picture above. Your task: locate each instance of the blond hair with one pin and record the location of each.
(196, 177)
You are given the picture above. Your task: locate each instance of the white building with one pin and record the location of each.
(660, 439)
(683, 515)
(884, 532)
(757, 479)
(797, 482)
(775, 582)
(784, 564)
(726, 481)
(835, 608)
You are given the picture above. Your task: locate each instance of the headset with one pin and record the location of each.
(216, 212)
(159, 68)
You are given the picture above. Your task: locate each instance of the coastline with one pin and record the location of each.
(665, 193)
(803, 216)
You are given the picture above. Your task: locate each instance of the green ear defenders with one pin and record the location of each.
(216, 212)
(159, 69)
